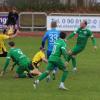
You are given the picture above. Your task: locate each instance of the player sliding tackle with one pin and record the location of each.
(83, 35)
(55, 60)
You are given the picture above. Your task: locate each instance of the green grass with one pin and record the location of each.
(85, 85)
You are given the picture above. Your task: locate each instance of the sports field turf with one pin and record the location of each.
(84, 85)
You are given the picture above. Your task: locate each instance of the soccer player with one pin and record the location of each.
(3, 51)
(20, 59)
(51, 35)
(83, 35)
(12, 20)
(38, 57)
(59, 49)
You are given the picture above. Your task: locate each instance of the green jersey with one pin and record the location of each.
(59, 49)
(83, 35)
(17, 56)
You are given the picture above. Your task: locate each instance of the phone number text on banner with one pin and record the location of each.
(70, 23)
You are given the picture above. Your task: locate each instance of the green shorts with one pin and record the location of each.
(59, 63)
(23, 66)
(77, 49)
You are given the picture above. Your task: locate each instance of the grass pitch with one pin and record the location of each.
(84, 85)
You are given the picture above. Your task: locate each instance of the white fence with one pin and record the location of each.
(32, 20)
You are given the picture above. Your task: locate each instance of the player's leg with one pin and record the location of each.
(63, 67)
(76, 50)
(54, 70)
(74, 63)
(48, 54)
(45, 74)
(35, 69)
(20, 72)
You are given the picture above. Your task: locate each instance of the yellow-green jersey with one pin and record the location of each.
(2, 45)
(38, 57)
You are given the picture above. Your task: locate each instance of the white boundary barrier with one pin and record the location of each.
(71, 21)
(2, 21)
(33, 19)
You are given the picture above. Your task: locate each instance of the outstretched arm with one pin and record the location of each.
(64, 52)
(45, 60)
(5, 66)
(6, 63)
(73, 34)
(70, 36)
(93, 41)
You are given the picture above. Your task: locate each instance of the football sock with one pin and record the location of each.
(64, 76)
(42, 76)
(73, 62)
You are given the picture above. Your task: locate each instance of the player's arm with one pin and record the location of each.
(45, 60)
(13, 66)
(93, 41)
(44, 39)
(13, 36)
(6, 65)
(4, 37)
(17, 16)
(8, 17)
(72, 34)
(64, 52)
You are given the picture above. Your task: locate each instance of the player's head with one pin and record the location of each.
(14, 9)
(41, 48)
(53, 24)
(63, 35)
(83, 24)
(11, 44)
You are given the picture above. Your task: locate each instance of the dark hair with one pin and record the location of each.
(12, 44)
(42, 48)
(63, 35)
(85, 22)
(53, 24)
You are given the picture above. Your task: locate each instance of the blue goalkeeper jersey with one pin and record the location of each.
(51, 35)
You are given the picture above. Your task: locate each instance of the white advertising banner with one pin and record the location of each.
(70, 23)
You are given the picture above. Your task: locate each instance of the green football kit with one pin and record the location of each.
(83, 36)
(20, 59)
(55, 60)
